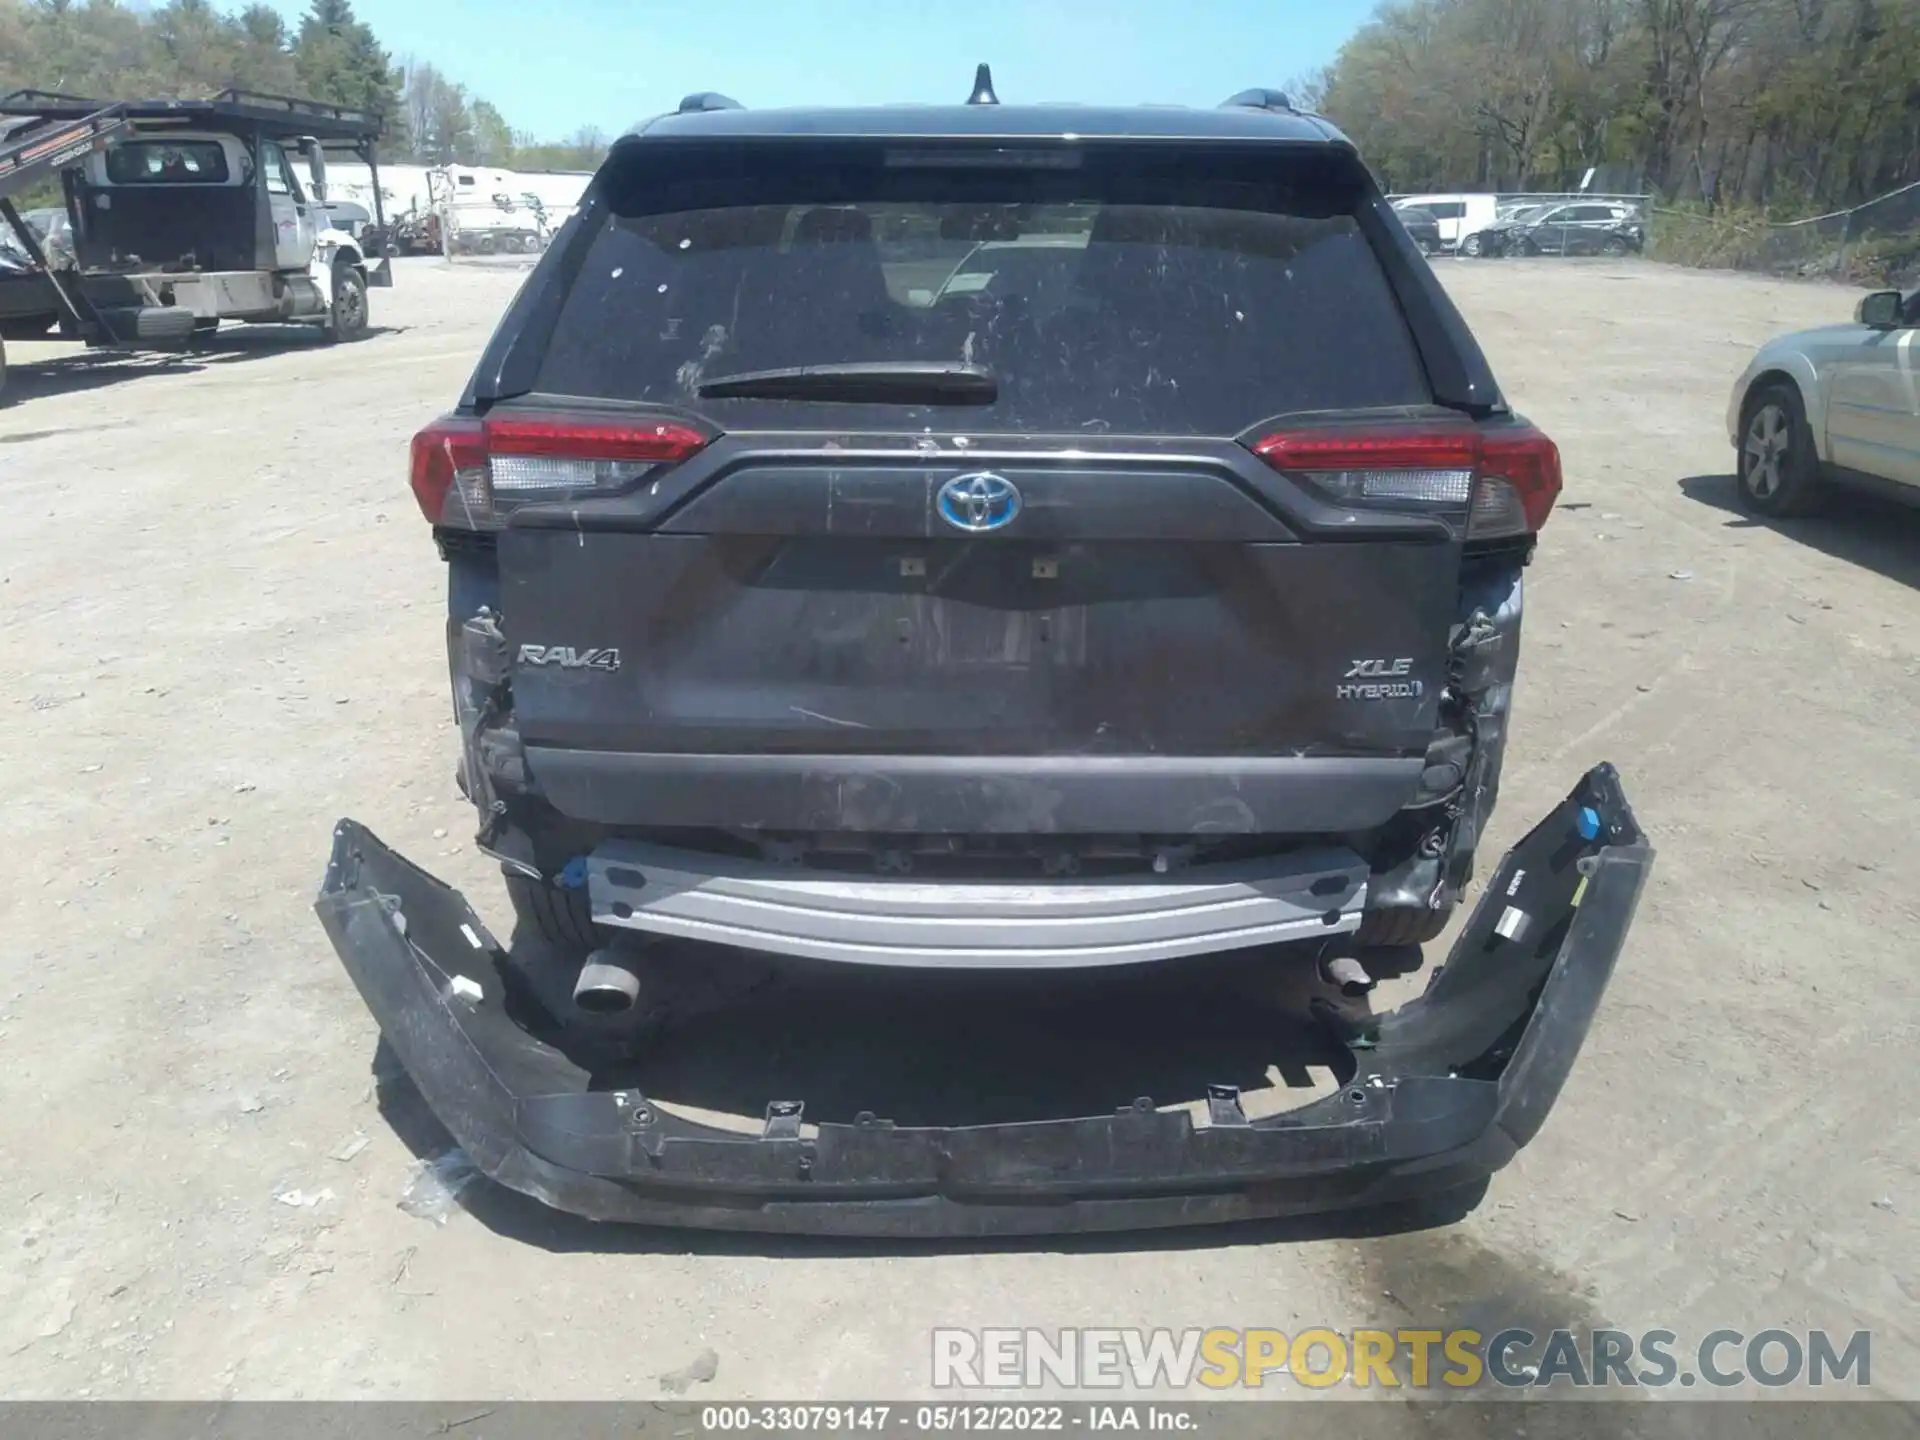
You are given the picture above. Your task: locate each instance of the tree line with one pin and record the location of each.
(187, 49)
(1787, 105)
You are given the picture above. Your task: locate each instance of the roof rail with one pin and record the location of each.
(708, 100)
(1259, 100)
(32, 99)
(280, 114)
(265, 100)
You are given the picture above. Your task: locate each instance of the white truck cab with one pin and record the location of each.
(211, 210)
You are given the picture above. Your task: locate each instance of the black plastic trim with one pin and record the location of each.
(978, 795)
(1443, 1091)
(659, 501)
(1456, 366)
(510, 365)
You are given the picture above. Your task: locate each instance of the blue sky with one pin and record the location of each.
(554, 65)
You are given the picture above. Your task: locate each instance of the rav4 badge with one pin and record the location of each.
(567, 657)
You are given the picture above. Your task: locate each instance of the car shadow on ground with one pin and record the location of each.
(1861, 529)
(85, 370)
(957, 1050)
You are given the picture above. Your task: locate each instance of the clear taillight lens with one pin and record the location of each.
(1444, 489)
(1497, 481)
(469, 474)
(1521, 460)
(1497, 510)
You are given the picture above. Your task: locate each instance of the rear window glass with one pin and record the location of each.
(1135, 299)
(177, 162)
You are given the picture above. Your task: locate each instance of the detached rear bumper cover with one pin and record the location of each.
(1445, 1090)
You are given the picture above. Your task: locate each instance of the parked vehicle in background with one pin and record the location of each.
(1456, 216)
(1422, 226)
(1495, 239)
(53, 229)
(29, 308)
(197, 215)
(1836, 405)
(1584, 228)
(348, 218)
(484, 212)
(415, 233)
(43, 219)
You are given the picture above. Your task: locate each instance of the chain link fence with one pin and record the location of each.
(1875, 244)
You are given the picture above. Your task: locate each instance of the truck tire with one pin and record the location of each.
(347, 316)
(1402, 927)
(558, 915)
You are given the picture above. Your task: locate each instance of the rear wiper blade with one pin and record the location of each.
(895, 382)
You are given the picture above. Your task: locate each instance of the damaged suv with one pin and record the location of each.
(1157, 598)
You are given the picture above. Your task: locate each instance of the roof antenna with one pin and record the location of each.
(983, 88)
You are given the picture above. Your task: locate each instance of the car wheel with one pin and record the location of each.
(347, 318)
(1778, 473)
(1614, 245)
(1529, 246)
(1472, 245)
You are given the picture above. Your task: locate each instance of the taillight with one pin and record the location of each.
(1524, 464)
(1492, 482)
(469, 474)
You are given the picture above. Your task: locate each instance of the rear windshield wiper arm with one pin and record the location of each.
(896, 382)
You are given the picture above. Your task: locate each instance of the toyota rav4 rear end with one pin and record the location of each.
(1156, 592)
(984, 538)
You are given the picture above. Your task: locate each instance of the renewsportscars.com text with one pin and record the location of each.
(1318, 1358)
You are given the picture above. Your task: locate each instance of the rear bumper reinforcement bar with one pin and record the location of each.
(929, 923)
(1443, 1091)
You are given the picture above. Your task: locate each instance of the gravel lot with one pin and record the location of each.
(225, 631)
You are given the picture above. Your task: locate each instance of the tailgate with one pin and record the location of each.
(1151, 612)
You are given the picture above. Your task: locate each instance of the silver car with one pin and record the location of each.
(1837, 405)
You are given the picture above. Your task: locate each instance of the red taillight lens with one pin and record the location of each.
(1362, 450)
(1494, 482)
(467, 474)
(440, 453)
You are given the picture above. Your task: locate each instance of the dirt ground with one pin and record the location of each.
(224, 631)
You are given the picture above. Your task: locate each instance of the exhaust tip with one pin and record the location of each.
(1348, 974)
(607, 986)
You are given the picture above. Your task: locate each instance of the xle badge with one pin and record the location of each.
(568, 658)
